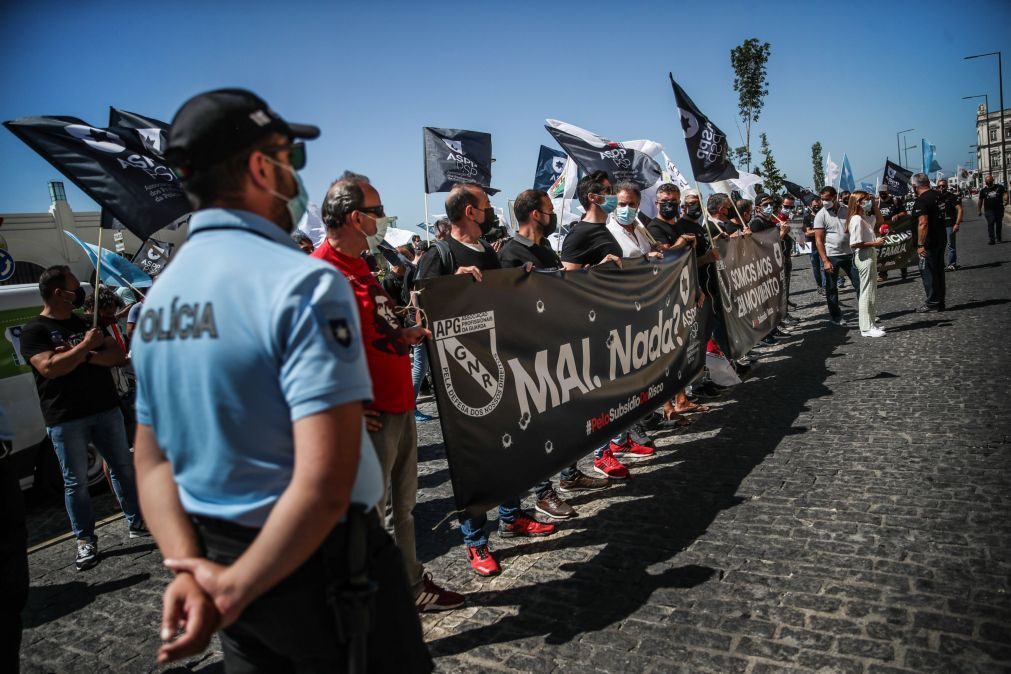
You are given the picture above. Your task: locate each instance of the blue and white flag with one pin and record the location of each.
(846, 183)
(116, 270)
(868, 187)
(550, 165)
(930, 164)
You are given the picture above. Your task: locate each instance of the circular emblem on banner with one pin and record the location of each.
(97, 139)
(689, 123)
(6, 266)
(777, 252)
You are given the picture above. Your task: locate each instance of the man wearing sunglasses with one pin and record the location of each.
(251, 452)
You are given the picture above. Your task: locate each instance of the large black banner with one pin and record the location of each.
(535, 370)
(899, 250)
(805, 195)
(456, 156)
(752, 284)
(136, 188)
(897, 179)
(708, 148)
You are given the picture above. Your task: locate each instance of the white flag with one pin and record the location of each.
(312, 225)
(831, 171)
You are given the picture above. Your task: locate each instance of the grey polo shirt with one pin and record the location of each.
(837, 236)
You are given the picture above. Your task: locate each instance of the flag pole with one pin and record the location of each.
(428, 227)
(98, 281)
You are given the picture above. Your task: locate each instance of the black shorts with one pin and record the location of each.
(292, 627)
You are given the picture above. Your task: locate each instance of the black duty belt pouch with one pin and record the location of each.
(350, 593)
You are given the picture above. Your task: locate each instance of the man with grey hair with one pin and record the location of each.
(931, 240)
(352, 211)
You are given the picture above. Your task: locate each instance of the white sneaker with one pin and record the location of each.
(873, 332)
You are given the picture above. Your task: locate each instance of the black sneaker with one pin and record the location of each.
(638, 434)
(139, 530)
(87, 555)
(710, 391)
(583, 482)
(928, 309)
(768, 340)
(554, 507)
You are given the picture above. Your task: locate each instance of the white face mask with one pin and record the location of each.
(625, 215)
(382, 224)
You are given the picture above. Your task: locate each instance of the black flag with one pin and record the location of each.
(595, 153)
(456, 156)
(805, 195)
(550, 164)
(153, 256)
(708, 149)
(897, 179)
(136, 188)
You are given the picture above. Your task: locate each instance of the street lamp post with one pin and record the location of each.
(1000, 90)
(986, 99)
(907, 148)
(898, 146)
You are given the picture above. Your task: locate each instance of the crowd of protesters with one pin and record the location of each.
(254, 511)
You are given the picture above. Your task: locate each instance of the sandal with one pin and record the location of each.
(674, 420)
(692, 408)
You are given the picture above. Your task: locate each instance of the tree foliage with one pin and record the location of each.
(773, 179)
(818, 164)
(741, 155)
(748, 61)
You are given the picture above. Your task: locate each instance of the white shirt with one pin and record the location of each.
(836, 233)
(632, 245)
(861, 229)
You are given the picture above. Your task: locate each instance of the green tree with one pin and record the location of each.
(773, 179)
(818, 164)
(748, 60)
(741, 155)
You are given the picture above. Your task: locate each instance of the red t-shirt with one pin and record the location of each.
(385, 350)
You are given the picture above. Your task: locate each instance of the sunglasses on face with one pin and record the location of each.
(296, 154)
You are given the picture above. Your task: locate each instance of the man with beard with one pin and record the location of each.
(992, 200)
(463, 251)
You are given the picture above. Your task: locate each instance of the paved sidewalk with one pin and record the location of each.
(846, 509)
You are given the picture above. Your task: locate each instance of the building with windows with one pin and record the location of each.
(34, 241)
(988, 143)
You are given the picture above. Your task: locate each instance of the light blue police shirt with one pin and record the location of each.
(242, 335)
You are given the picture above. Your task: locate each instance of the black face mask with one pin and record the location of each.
(552, 225)
(490, 221)
(78, 297)
(694, 212)
(668, 209)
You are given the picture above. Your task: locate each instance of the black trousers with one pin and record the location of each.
(994, 223)
(293, 628)
(932, 273)
(13, 563)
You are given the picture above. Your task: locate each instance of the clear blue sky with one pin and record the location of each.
(372, 74)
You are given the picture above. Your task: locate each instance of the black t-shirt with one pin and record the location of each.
(431, 264)
(758, 224)
(949, 202)
(85, 390)
(992, 197)
(662, 231)
(929, 204)
(589, 243)
(702, 247)
(889, 209)
(809, 225)
(519, 250)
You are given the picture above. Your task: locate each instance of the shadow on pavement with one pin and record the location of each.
(659, 514)
(47, 603)
(978, 304)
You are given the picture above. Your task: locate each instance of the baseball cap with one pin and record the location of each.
(212, 126)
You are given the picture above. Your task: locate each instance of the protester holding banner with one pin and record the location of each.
(624, 226)
(992, 201)
(931, 240)
(863, 222)
(892, 208)
(589, 242)
(464, 252)
(833, 242)
(951, 205)
(770, 216)
(746, 209)
(720, 211)
(352, 211)
(662, 227)
(535, 217)
(263, 501)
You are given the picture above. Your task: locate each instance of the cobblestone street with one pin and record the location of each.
(846, 509)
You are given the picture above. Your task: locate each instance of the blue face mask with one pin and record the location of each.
(610, 203)
(767, 209)
(625, 215)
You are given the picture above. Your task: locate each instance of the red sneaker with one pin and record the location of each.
(524, 525)
(434, 598)
(610, 466)
(482, 562)
(630, 450)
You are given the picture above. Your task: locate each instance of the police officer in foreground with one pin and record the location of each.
(252, 459)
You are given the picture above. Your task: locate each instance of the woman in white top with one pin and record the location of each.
(623, 225)
(864, 218)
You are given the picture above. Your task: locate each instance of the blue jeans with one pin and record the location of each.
(819, 273)
(70, 440)
(840, 264)
(932, 274)
(419, 368)
(472, 528)
(952, 253)
(541, 489)
(619, 439)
